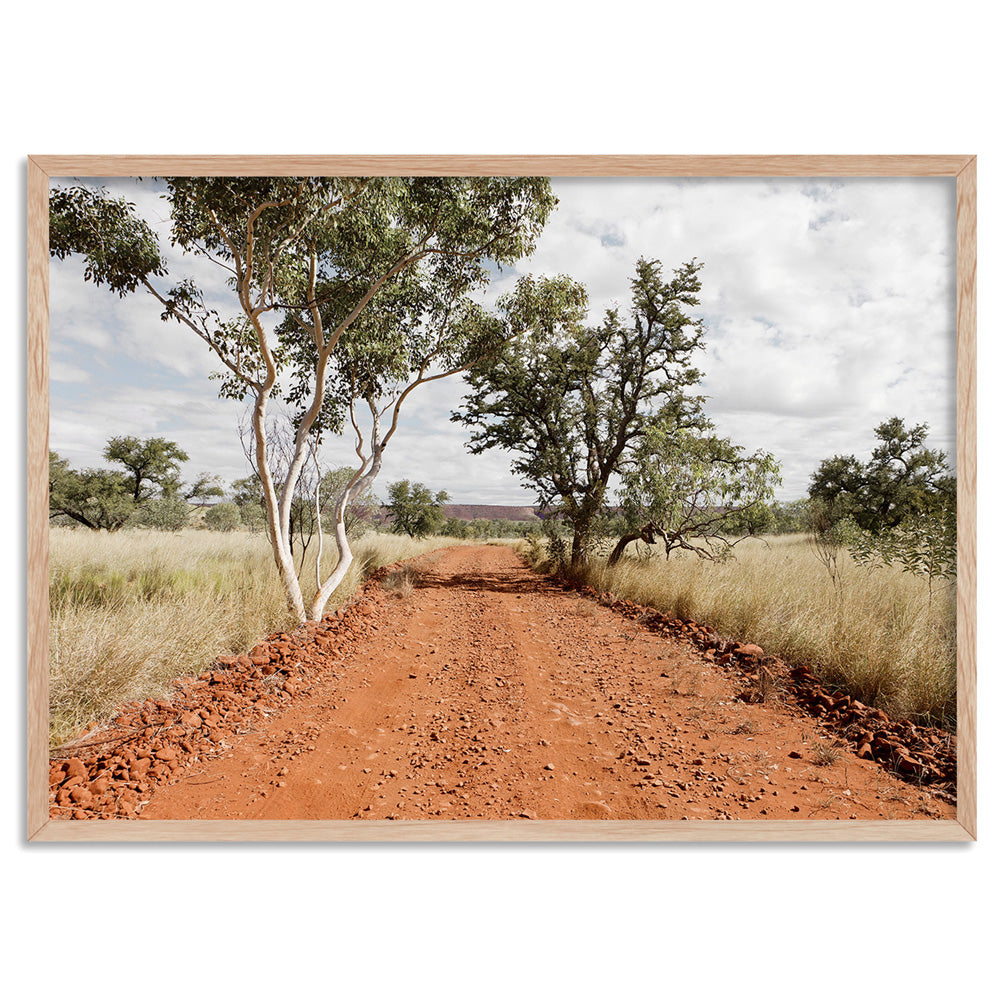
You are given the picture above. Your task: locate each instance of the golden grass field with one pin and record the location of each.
(880, 634)
(130, 611)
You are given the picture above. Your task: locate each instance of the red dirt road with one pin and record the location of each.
(491, 692)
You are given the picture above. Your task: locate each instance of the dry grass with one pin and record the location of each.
(133, 610)
(876, 635)
(824, 754)
(399, 583)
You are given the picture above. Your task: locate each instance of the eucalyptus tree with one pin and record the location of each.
(574, 402)
(347, 294)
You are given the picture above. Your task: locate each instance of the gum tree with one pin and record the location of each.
(346, 294)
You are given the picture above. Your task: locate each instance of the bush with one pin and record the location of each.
(252, 516)
(164, 514)
(223, 517)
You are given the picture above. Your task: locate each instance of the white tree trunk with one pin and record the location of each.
(344, 560)
(344, 554)
(277, 525)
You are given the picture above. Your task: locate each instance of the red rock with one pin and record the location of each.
(80, 795)
(749, 649)
(76, 771)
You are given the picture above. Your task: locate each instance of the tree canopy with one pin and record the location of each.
(95, 498)
(147, 494)
(899, 507)
(694, 491)
(156, 461)
(903, 477)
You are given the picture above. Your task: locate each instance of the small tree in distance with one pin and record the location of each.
(414, 510)
(156, 461)
(95, 498)
(166, 513)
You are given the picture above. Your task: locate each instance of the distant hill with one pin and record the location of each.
(489, 512)
(486, 511)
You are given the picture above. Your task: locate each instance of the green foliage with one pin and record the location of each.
(203, 488)
(791, 517)
(155, 460)
(95, 498)
(223, 517)
(249, 499)
(168, 513)
(383, 262)
(252, 517)
(99, 498)
(692, 490)
(119, 249)
(454, 527)
(573, 402)
(902, 478)
(414, 510)
(926, 544)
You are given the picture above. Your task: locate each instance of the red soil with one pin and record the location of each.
(491, 692)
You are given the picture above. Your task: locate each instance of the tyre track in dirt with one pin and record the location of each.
(491, 692)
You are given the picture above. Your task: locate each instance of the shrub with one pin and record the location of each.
(223, 517)
(163, 514)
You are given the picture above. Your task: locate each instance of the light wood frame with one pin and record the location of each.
(41, 168)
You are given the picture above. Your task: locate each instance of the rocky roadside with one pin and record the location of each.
(111, 771)
(921, 755)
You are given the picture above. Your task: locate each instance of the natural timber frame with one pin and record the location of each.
(40, 168)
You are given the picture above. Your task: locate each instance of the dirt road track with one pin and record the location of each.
(492, 693)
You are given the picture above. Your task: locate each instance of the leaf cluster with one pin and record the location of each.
(695, 490)
(119, 249)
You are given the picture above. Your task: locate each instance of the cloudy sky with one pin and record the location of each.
(828, 305)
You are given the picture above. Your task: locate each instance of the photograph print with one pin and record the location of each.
(503, 505)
